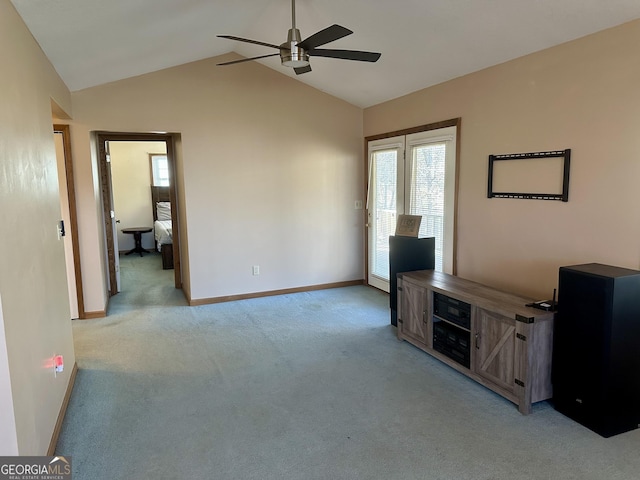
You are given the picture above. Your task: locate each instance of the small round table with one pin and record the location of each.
(137, 237)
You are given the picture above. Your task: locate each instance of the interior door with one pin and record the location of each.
(63, 152)
(66, 218)
(385, 200)
(111, 230)
(114, 227)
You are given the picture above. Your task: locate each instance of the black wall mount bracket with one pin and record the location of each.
(564, 196)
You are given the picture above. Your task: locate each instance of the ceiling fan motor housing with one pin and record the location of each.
(290, 54)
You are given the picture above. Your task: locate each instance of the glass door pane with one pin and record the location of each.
(431, 189)
(383, 195)
(427, 187)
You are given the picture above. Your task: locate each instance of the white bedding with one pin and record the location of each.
(163, 232)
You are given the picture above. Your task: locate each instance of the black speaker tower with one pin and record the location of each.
(596, 348)
(407, 254)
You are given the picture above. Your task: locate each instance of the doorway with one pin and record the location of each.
(412, 172)
(109, 212)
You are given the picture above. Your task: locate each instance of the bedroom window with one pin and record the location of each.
(159, 170)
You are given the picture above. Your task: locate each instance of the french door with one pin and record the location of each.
(412, 174)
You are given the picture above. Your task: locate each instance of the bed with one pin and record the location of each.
(162, 227)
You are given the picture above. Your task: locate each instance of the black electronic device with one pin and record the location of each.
(452, 310)
(595, 348)
(547, 305)
(407, 254)
(452, 342)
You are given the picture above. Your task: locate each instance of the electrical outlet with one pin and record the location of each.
(358, 204)
(256, 269)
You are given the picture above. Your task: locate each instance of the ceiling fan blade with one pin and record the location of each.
(301, 70)
(246, 40)
(329, 34)
(248, 59)
(346, 54)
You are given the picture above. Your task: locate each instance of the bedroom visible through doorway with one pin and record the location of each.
(140, 193)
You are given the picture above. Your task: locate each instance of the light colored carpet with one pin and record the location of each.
(302, 386)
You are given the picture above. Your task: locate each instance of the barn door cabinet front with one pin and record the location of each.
(413, 312)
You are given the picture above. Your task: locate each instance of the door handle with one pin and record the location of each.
(424, 317)
(477, 341)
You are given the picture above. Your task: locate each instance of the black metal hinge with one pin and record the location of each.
(519, 336)
(400, 288)
(400, 320)
(523, 319)
(519, 382)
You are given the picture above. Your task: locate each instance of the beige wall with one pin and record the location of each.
(131, 182)
(269, 172)
(35, 310)
(582, 95)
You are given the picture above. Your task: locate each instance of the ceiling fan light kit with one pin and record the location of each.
(290, 54)
(295, 53)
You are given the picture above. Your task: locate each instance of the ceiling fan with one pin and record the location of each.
(295, 53)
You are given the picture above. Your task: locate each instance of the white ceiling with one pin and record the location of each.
(423, 42)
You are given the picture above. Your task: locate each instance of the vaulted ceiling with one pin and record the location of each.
(423, 42)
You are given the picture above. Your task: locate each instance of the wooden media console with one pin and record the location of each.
(486, 334)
